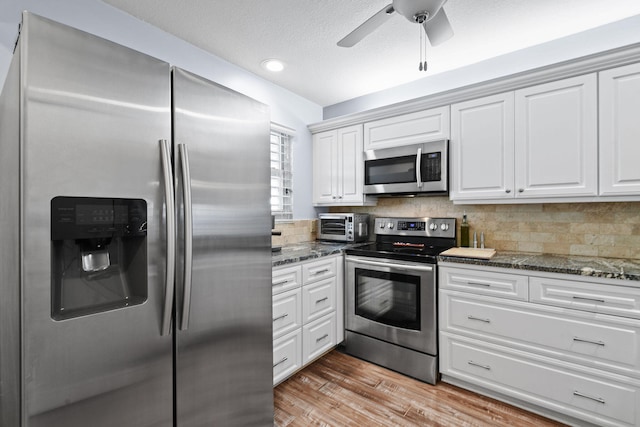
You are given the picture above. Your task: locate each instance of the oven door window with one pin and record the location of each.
(389, 298)
(333, 227)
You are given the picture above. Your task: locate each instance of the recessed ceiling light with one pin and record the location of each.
(272, 65)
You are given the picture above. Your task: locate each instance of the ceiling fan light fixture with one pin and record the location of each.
(273, 65)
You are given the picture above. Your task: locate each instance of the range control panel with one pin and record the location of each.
(419, 227)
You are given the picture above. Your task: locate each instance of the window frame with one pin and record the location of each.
(281, 179)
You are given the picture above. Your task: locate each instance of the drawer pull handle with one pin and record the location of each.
(324, 270)
(586, 396)
(322, 337)
(589, 299)
(282, 282)
(588, 341)
(284, 359)
(479, 318)
(487, 285)
(275, 319)
(472, 363)
(322, 300)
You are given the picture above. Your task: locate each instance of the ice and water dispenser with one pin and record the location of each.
(99, 255)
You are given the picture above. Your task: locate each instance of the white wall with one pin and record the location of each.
(606, 37)
(105, 21)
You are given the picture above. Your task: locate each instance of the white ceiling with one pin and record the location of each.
(303, 34)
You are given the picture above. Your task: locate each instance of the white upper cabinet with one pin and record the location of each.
(482, 148)
(556, 139)
(537, 143)
(325, 167)
(407, 129)
(338, 167)
(620, 131)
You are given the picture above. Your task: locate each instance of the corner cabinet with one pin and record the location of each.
(308, 313)
(534, 143)
(338, 168)
(620, 131)
(560, 345)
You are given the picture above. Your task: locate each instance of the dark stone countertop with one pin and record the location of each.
(290, 254)
(609, 268)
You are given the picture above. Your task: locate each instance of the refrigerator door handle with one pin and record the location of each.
(165, 152)
(188, 234)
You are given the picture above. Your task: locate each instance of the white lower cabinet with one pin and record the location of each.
(287, 355)
(590, 396)
(563, 358)
(307, 297)
(318, 337)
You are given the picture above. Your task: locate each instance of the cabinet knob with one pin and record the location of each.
(508, 190)
(520, 190)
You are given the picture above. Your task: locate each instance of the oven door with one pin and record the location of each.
(394, 301)
(334, 227)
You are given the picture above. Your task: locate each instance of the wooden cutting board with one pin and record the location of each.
(470, 253)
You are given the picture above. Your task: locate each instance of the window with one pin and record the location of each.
(281, 176)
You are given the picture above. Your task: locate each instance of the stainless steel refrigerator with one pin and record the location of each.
(135, 230)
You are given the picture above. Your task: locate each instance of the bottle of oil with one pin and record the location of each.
(464, 232)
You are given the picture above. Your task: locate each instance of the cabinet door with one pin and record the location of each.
(620, 131)
(325, 167)
(556, 145)
(351, 173)
(482, 148)
(412, 128)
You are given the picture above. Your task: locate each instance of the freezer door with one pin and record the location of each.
(93, 114)
(224, 347)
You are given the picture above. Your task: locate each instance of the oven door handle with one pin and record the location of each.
(391, 265)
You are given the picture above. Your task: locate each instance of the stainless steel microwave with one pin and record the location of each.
(420, 169)
(343, 227)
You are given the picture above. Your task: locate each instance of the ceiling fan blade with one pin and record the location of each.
(438, 28)
(367, 27)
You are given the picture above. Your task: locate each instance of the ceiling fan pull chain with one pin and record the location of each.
(424, 68)
(420, 65)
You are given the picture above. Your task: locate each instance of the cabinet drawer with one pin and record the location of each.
(318, 337)
(589, 397)
(501, 285)
(606, 342)
(286, 278)
(287, 312)
(317, 270)
(608, 299)
(318, 299)
(287, 355)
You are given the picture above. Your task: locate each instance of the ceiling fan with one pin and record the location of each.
(428, 13)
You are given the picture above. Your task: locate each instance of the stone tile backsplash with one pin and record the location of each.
(591, 229)
(295, 232)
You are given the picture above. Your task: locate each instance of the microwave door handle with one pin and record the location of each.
(418, 167)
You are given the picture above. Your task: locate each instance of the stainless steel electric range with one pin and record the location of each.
(391, 295)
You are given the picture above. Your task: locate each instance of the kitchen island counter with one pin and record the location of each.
(597, 267)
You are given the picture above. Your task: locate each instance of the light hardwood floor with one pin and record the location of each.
(340, 390)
